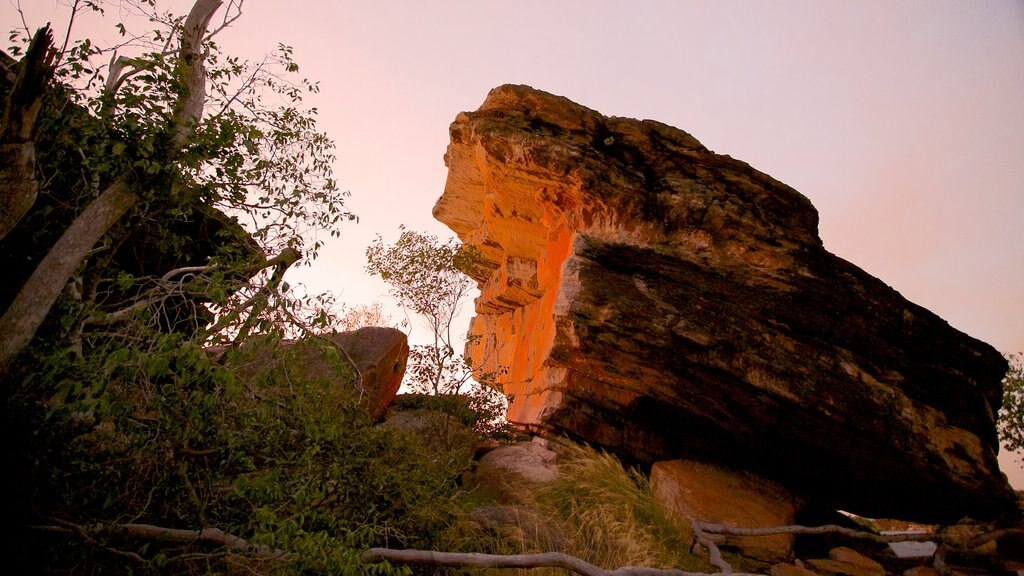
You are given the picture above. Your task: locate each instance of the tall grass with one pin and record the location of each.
(597, 510)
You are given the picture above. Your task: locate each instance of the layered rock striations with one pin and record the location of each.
(664, 301)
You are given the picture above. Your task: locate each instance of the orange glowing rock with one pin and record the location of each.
(664, 301)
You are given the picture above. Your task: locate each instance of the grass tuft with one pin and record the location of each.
(597, 510)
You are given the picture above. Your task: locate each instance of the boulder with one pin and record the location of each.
(379, 354)
(691, 490)
(922, 571)
(530, 461)
(846, 562)
(663, 301)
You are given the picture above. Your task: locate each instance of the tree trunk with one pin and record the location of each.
(35, 299)
(18, 185)
(33, 302)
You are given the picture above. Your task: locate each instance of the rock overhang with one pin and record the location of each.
(662, 300)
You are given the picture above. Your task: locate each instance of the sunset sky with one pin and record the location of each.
(902, 121)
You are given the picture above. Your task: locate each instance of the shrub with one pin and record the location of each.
(167, 436)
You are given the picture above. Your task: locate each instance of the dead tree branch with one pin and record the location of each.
(23, 317)
(18, 185)
(714, 554)
(214, 537)
(257, 301)
(709, 528)
(544, 560)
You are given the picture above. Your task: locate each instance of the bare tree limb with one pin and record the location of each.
(83, 535)
(35, 299)
(191, 71)
(152, 533)
(544, 560)
(185, 270)
(827, 529)
(229, 18)
(166, 285)
(281, 263)
(714, 554)
(116, 74)
(33, 302)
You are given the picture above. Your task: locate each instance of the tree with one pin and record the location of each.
(425, 275)
(174, 188)
(363, 315)
(167, 135)
(1011, 415)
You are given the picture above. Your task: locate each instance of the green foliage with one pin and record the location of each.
(1011, 415)
(120, 413)
(425, 275)
(169, 436)
(483, 413)
(255, 177)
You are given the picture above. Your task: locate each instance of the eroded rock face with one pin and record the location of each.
(664, 301)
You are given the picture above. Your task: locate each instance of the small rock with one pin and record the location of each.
(530, 460)
(913, 549)
(789, 570)
(846, 562)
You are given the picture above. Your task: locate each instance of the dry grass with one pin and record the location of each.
(596, 510)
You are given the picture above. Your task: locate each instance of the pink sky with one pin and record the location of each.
(902, 121)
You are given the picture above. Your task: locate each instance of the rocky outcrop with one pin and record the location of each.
(664, 301)
(846, 562)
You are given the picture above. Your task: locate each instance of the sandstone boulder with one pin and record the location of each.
(530, 461)
(661, 300)
(379, 354)
(789, 570)
(922, 571)
(846, 562)
(691, 490)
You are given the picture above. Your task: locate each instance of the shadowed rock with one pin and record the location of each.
(664, 301)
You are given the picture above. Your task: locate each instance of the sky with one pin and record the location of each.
(902, 121)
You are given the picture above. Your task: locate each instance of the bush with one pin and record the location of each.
(169, 437)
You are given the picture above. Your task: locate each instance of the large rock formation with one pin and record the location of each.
(665, 301)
